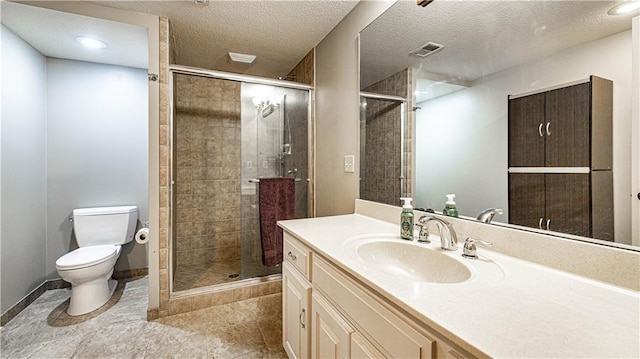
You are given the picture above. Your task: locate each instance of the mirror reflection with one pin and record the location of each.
(520, 106)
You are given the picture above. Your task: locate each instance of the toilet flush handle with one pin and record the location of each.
(70, 218)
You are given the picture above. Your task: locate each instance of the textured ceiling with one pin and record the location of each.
(53, 33)
(480, 37)
(279, 33)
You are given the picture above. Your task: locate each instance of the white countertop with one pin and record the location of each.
(529, 311)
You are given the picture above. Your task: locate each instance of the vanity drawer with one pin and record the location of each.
(297, 254)
(392, 334)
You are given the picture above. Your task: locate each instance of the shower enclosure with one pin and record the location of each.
(228, 132)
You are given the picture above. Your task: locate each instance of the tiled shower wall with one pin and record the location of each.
(303, 72)
(207, 175)
(381, 135)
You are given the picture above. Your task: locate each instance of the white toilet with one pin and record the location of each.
(100, 232)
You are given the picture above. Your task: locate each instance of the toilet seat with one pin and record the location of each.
(87, 256)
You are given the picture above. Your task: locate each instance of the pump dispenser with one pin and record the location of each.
(406, 219)
(450, 206)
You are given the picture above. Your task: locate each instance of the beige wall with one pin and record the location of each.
(337, 109)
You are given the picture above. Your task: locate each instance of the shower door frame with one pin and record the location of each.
(221, 75)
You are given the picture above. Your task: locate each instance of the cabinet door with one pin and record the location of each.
(568, 199)
(526, 199)
(330, 333)
(526, 131)
(567, 126)
(361, 348)
(296, 302)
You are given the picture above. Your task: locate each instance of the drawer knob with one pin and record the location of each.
(292, 256)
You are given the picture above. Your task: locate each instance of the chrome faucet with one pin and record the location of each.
(487, 215)
(448, 237)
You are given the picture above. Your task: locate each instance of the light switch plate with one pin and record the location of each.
(349, 163)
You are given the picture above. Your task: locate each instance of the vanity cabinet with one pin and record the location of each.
(331, 333)
(296, 305)
(347, 319)
(296, 299)
(560, 159)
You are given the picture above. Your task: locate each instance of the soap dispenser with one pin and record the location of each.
(406, 219)
(450, 206)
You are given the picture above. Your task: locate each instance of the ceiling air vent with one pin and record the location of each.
(426, 49)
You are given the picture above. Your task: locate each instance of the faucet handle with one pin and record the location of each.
(423, 236)
(469, 250)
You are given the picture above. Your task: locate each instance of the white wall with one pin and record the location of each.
(338, 110)
(97, 149)
(23, 211)
(467, 155)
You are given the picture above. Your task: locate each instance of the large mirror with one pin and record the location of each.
(465, 69)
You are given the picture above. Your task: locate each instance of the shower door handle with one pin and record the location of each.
(301, 318)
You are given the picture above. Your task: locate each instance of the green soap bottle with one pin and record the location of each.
(406, 219)
(450, 206)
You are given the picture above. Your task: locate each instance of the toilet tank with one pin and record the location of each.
(105, 225)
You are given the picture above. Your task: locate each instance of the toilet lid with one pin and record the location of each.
(86, 256)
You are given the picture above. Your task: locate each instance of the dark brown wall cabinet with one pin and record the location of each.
(560, 159)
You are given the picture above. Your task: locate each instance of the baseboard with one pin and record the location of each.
(23, 303)
(58, 283)
(153, 314)
(130, 273)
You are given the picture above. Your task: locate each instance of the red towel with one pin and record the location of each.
(276, 201)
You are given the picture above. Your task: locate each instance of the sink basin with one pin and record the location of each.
(389, 254)
(413, 262)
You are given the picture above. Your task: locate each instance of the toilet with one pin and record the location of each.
(100, 233)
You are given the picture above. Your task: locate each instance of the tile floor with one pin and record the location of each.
(246, 329)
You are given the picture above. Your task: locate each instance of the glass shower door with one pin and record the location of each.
(274, 144)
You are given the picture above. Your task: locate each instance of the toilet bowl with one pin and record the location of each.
(100, 233)
(89, 270)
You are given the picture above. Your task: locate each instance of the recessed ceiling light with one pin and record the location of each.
(624, 7)
(91, 43)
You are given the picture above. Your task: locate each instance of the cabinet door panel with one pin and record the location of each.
(526, 199)
(362, 349)
(568, 199)
(568, 119)
(296, 300)
(526, 120)
(331, 333)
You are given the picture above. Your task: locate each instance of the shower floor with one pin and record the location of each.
(203, 275)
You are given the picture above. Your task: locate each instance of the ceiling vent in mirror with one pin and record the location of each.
(426, 49)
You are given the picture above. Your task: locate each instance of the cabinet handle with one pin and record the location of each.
(540, 130)
(301, 318)
(292, 256)
(548, 222)
(548, 129)
(540, 223)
